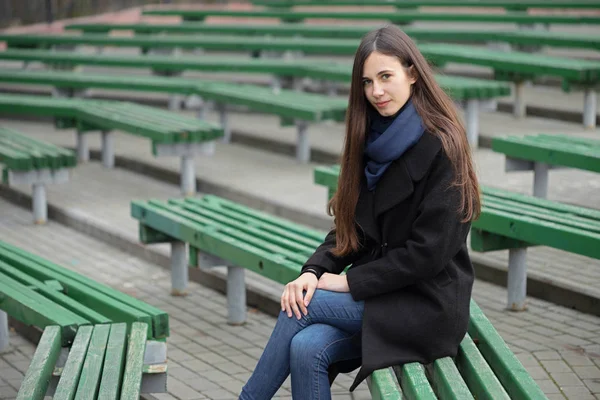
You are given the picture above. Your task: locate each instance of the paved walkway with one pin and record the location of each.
(209, 359)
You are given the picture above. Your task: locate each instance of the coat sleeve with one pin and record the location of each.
(323, 259)
(436, 236)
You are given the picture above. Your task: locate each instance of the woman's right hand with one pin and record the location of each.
(292, 300)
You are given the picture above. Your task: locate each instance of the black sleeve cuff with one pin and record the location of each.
(318, 271)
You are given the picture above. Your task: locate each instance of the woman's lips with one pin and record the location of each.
(382, 104)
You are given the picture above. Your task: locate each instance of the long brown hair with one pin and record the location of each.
(439, 116)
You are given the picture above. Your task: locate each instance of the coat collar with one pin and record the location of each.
(397, 183)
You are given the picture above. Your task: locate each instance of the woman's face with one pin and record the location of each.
(386, 83)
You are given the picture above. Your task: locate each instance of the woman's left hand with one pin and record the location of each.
(333, 283)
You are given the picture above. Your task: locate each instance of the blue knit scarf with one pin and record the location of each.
(387, 142)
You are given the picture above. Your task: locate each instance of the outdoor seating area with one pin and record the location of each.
(244, 106)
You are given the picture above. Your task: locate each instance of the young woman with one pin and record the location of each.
(406, 195)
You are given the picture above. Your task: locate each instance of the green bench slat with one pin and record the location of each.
(132, 377)
(509, 370)
(114, 363)
(518, 37)
(459, 88)
(40, 370)
(71, 372)
(559, 150)
(383, 385)
(396, 17)
(477, 373)
(31, 308)
(91, 373)
(109, 302)
(447, 381)
(414, 383)
(508, 4)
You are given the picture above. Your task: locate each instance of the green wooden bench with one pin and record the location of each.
(40, 293)
(303, 108)
(103, 361)
(514, 221)
(518, 67)
(539, 153)
(171, 134)
(472, 35)
(26, 161)
(398, 17)
(221, 232)
(513, 5)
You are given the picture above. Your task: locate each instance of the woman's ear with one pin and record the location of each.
(412, 74)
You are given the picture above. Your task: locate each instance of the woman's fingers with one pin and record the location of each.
(294, 303)
(300, 301)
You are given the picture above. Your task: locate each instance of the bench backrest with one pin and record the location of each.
(67, 298)
(277, 248)
(104, 360)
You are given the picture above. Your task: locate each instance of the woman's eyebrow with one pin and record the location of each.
(379, 73)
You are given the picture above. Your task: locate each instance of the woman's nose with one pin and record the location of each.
(377, 89)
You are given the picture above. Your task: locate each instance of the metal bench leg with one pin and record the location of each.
(40, 207)
(179, 269)
(276, 84)
(331, 89)
(519, 106)
(472, 114)
(302, 145)
(108, 149)
(175, 101)
(204, 108)
(540, 179)
(3, 332)
(589, 108)
(188, 175)
(297, 84)
(224, 123)
(236, 296)
(83, 151)
(517, 279)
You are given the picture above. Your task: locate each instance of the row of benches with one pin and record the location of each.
(470, 35)
(514, 5)
(221, 232)
(518, 67)
(95, 339)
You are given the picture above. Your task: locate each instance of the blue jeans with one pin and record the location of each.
(306, 347)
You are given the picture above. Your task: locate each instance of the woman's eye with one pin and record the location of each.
(366, 81)
(385, 76)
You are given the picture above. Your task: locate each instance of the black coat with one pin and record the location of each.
(413, 270)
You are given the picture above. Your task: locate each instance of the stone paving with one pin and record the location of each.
(209, 359)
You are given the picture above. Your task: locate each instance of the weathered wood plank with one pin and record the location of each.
(110, 386)
(42, 364)
(89, 380)
(132, 378)
(69, 377)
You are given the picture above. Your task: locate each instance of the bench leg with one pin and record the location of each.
(179, 269)
(589, 108)
(331, 88)
(108, 149)
(83, 151)
(540, 179)
(472, 114)
(519, 106)
(302, 145)
(188, 176)
(224, 119)
(40, 208)
(175, 101)
(3, 332)
(204, 108)
(517, 279)
(236, 296)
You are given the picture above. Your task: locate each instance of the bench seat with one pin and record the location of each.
(40, 293)
(539, 153)
(170, 134)
(470, 35)
(24, 160)
(222, 232)
(113, 361)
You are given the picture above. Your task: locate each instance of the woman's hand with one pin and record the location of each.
(333, 283)
(292, 299)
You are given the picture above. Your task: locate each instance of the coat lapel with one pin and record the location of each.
(397, 183)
